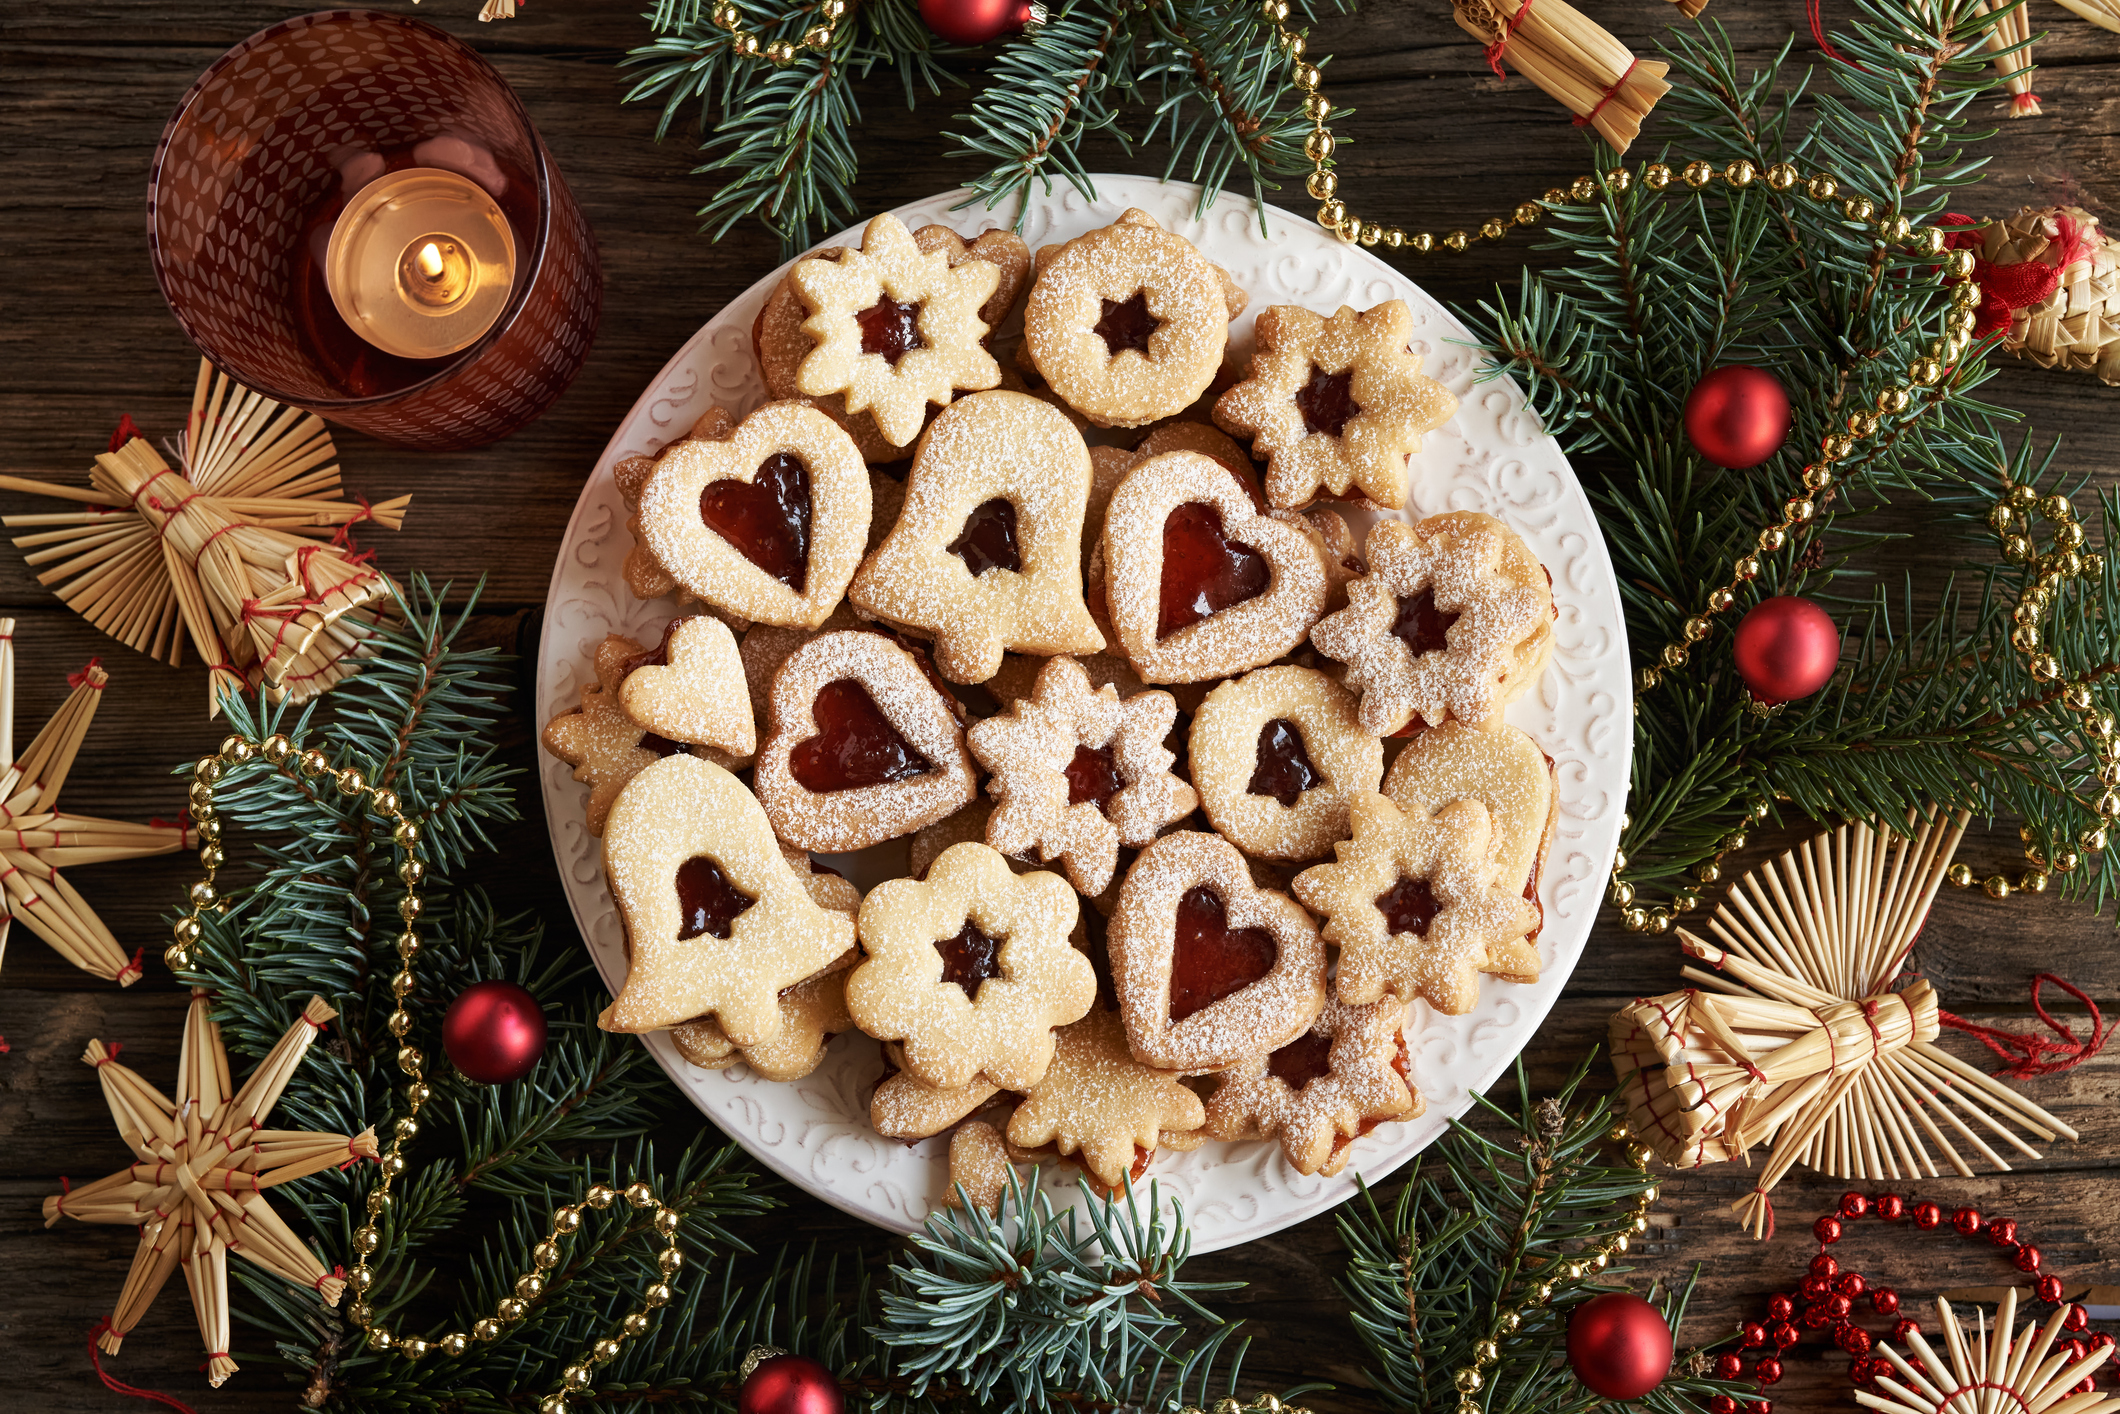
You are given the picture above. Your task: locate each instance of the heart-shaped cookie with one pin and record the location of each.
(715, 920)
(862, 745)
(1209, 968)
(690, 687)
(986, 555)
(769, 523)
(1201, 585)
(605, 747)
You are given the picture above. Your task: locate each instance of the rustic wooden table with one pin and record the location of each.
(84, 336)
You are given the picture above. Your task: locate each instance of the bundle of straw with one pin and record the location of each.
(41, 839)
(1987, 1372)
(197, 1192)
(1567, 54)
(224, 548)
(2011, 39)
(1795, 1040)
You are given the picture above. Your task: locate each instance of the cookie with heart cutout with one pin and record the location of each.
(894, 328)
(1336, 405)
(1099, 1102)
(1413, 902)
(715, 920)
(862, 745)
(1276, 755)
(768, 523)
(605, 747)
(1338, 1081)
(1210, 968)
(986, 555)
(1198, 583)
(1453, 622)
(641, 571)
(905, 1107)
(970, 969)
(1503, 769)
(690, 687)
(766, 646)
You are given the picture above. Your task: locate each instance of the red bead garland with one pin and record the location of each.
(1825, 1299)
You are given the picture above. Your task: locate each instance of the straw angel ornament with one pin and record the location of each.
(41, 839)
(205, 1163)
(1796, 1038)
(223, 549)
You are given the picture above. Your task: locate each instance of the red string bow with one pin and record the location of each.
(2034, 1054)
(127, 430)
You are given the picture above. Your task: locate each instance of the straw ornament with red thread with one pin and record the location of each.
(2050, 281)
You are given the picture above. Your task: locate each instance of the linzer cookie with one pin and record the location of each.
(690, 687)
(905, 1108)
(1209, 968)
(1127, 324)
(1077, 772)
(970, 969)
(1276, 755)
(1322, 1091)
(1098, 1102)
(605, 747)
(768, 523)
(1453, 622)
(1413, 903)
(1501, 768)
(895, 328)
(1200, 585)
(1336, 405)
(715, 920)
(812, 1012)
(979, 1165)
(766, 646)
(986, 555)
(642, 573)
(862, 746)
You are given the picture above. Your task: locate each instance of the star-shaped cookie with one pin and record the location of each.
(1415, 909)
(605, 747)
(1098, 1101)
(1323, 1090)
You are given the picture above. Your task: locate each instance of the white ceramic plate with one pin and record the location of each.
(1490, 457)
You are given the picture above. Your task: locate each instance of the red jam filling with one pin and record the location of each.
(1284, 770)
(855, 745)
(1408, 906)
(766, 518)
(988, 541)
(1204, 572)
(891, 329)
(1301, 1060)
(1327, 401)
(1091, 776)
(969, 958)
(1420, 625)
(1402, 1062)
(1127, 324)
(659, 655)
(1211, 960)
(706, 901)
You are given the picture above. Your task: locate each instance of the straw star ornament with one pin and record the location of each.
(1985, 1371)
(222, 549)
(205, 1161)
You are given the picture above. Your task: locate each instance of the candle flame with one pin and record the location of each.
(429, 261)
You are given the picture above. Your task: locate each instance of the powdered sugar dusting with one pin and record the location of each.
(1503, 769)
(1098, 1101)
(1360, 1087)
(1224, 748)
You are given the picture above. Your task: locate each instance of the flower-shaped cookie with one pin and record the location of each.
(905, 1107)
(690, 687)
(986, 554)
(896, 328)
(1096, 1100)
(1209, 968)
(1335, 404)
(1277, 754)
(1323, 1090)
(715, 920)
(768, 523)
(971, 969)
(1454, 621)
(1501, 768)
(605, 747)
(1077, 773)
(1413, 904)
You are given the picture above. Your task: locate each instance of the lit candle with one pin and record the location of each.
(421, 262)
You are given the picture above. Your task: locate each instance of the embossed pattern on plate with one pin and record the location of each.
(1490, 457)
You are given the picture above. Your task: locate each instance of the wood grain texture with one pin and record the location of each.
(1435, 141)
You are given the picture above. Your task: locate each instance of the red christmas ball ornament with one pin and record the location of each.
(1754, 1335)
(1825, 1264)
(2002, 1231)
(976, 21)
(1781, 1308)
(2048, 1287)
(1737, 416)
(1884, 1301)
(1721, 1404)
(1619, 1345)
(1903, 1327)
(494, 1032)
(1782, 1334)
(789, 1384)
(1851, 1284)
(1787, 648)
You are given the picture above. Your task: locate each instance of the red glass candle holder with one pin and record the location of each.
(262, 152)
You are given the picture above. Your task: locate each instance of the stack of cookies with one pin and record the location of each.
(1198, 794)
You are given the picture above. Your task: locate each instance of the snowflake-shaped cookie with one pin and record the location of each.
(1323, 1090)
(1335, 403)
(1098, 1101)
(1079, 772)
(1453, 621)
(1414, 906)
(896, 328)
(605, 747)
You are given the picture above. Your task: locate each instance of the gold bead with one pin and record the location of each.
(1897, 229)
(1274, 11)
(780, 52)
(604, 1351)
(208, 829)
(1892, 400)
(1720, 600)
(392, 1165)
(833, 9)
(670, 1261)
(1544, 1292)
(2109, 805)
(1674, 655)
(2066, 861)
(599, 1196)
(575, 1377)
(378, 1201)
(411, 1062)
(2000, 517)
(366, 1240)
(659, 1294)
(1600, 1261)
(1306, 76)
(1486, 1352)
(403, 983)
(1635, 920)
(1318, 146)
(1622, 894)
(817, 37)
(1659, 923)
(211, 857)
(529, 1286)
(1527, 213)
(1684, 903)
(727, 16)
(1656, 176)
(2046, 667)
(1799, 510)
(1492, 229)
(1322, 183)
(381, 1340)
(2101, 723)
(1960, 876)
(207, 769)
(399, 1022)
(1316, 107)
(509, 1309)
(384, 799)
(2057, 508)
(2093, 565)
(1835, 447)
(1959, 264)
(668, 1221)
(1698, 174)
(640, 1193)
(201, 796)
(636, 1323)
(1422, 241)
(2093, 840)
(1576, 1271)
(487, 1330)
(1639, 1154)
(360, 1278)
(1619, 858)
(1583, 189)
(1697, 628)
(1966, 297)
(1619, 180)
(409, 907)
(552, 1404)
(1740, 173)
(1858, 208)
(314, 762)
(418, 1092)
(1822, 188)
(1469, 1381)
(2068, 535)
(1638, 1223)
(1773, 538)
(2025, 637)
(545, 1255)
(186, 930)
(1861, 422)
(1394, 237)
(1925, 370)
(407, 833)
(1457, 240)
(360, 1312)
(1371, 233)
(408, 945)
(566, 1220)
(1996, 886)
(1511, 1322)
(1647, 679)
(1930, 242)
(1707, 871)
(1332, 213)
(1781, 176)
(455, 1343)
(351, 781)
(746, 45)
(2016, 548)
(1735, 841)
(2032, 881)
(276, 747)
